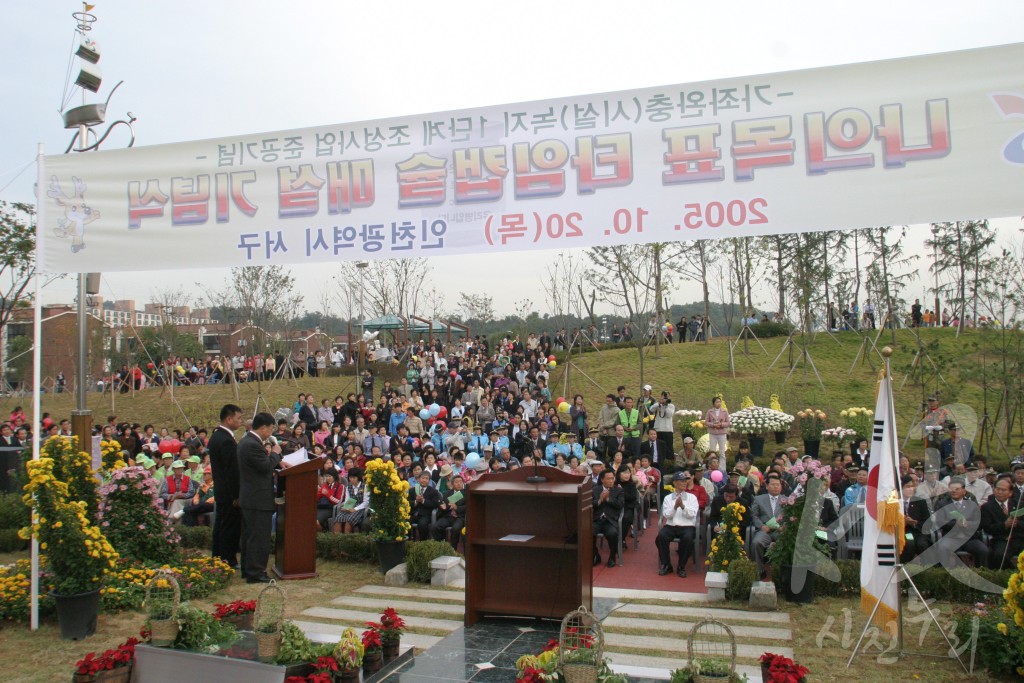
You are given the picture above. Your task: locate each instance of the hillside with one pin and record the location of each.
(691, 372)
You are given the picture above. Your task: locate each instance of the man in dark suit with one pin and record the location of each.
(609, 500)
(766, 508)
(424, 498)
(1004, 529)
(594, 442)
(227, 522)
(656, 448)
(958, 515)
(256, 496)
(730, 494)
(616, 441)
(915, 514)
(7, 438)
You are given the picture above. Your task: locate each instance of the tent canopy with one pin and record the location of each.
(386, 322)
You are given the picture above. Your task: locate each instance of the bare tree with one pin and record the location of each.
(262, 296)
(562, 288)
(696, 259)
(963, 248)
(476, 307)
(889, 272)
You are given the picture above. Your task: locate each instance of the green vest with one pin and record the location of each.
(630, 422)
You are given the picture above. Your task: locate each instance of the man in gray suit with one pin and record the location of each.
(766, 507)
(256, 496)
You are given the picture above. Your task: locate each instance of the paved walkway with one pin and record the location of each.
(645, 630)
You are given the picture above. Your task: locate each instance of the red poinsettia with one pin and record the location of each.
(391, 625)
(783, 669)
(234, 608)
(114, 658)
(371, 637)
(531, 675)
(326, 664)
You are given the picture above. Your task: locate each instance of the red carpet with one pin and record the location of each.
(639, 568)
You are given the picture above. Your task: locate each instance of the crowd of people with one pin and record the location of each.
(457, 416)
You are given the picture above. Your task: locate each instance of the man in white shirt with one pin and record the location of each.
(679, 513)
(976, 484)
(529, 406)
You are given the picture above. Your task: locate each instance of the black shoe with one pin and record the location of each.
(597, 560)
(611, 562)
(681, 573)
(664, 569)
(262, 578)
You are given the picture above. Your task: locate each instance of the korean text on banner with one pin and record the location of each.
(920, 139)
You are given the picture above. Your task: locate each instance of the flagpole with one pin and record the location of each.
(894, 463)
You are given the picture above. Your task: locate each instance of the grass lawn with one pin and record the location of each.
(42, 657)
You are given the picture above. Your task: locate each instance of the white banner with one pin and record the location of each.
(914, 140)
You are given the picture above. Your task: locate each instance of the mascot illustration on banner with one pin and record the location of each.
(77, 214)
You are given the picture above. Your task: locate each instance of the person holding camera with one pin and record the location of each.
(664, 412)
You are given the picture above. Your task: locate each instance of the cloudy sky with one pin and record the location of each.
(197, 69)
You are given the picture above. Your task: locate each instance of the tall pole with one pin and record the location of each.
(360, 345)
(81, 417)
(37, 358)
(935, 261)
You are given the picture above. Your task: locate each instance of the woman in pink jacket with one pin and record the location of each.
(717, 423)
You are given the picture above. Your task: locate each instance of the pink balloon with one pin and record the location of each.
(716, 476)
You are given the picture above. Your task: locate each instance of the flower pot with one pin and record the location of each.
(756, 442)
(372, 662)
(122, 674)
(268, 645)
(389, 648)
(780, 437)
(77, 614)
(163, 632)
(811, 448)
(391, 554)
(579, 673)
(348, 675)
(83, 678)
(806, 593)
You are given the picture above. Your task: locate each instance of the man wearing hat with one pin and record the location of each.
(164, 469)
(177, 489)
(931, 488)
(687, 455)
(478, 440)
(594, 443)
(934, 416)
(959, 447)
(664, 413)
(202, 502)
(194, 470)
(976, 484)
(856, 494)
(679, 516)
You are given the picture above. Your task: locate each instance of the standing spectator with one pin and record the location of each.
(717, 423)
(915, 313)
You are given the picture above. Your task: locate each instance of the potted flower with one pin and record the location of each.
(838, 435)
(755, 422)
(861, 421)
(778, 669)
(726, 548)
(687, 418)
(391, 628)
(77, 553)
(349, 655)
(373, 654)
(812, 421)
(238, 613)
(113, 666)
(389, 501)
(710, 670)
(799, 548)
(776, 405)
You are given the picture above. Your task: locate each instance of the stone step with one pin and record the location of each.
(402, 606)
(615, 641)
(682, 628)
(659, 668)
(626, 594)
(330, 633)
(425, 593)
(355, 617)
(726, 615)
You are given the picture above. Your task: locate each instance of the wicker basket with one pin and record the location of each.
(721, 647)
(163, 631)
(581, 631)
(267, 620)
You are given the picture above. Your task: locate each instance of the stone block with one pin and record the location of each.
(446, 571)
(763, 597)
(397, 576)
(715, 583)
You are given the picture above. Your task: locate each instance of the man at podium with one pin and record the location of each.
(256, 465)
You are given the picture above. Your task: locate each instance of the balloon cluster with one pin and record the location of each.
(551, 362)
(668, 328)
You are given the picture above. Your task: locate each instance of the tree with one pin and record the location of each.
(479, 307)
(261, 296)
(889, 272)
(964, 257)
(390, 286)
(17, 259)
(562, 287)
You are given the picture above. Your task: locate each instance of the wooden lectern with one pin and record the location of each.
(295, 547)
(546, 575)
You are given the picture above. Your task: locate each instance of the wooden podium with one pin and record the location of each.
(295, 546)
(547, 575)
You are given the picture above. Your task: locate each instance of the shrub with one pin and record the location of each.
(765, 330)
(1000, 641)
(417, 561)
(11, 542)
(132, 518)
(742, 575)
(199, 537)
(14, 514)
(346, 547)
